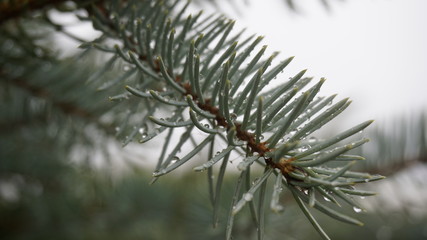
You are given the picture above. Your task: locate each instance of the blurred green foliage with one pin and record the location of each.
(46, 195)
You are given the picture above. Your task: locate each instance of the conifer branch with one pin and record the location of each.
(196, 67)
(179, 67)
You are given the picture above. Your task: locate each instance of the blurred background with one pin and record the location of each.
(77, 182)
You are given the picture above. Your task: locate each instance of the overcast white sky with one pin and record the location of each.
(373, 51)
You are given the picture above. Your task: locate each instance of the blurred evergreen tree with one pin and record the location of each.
(55, 124)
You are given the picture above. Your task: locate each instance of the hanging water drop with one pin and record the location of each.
(241, 166)
(277, 208)
(174, 159)
(356, 209)
(304, 148)
(126, 68)
(327, 199)
(248, 197)
(254, 181)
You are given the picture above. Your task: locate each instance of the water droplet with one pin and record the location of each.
(327, 199)
(126, 68)
(152, 44)
(304, 148)
(117, 129)
(356, 209)
(174, 159)
(254, 181)
(143, 135)
(362, 197)
(277, 208)
(155, 173)
(248, 196)
(241, 166)
(141, 130)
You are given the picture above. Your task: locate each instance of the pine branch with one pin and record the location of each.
(197, 68)
(175, 61)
